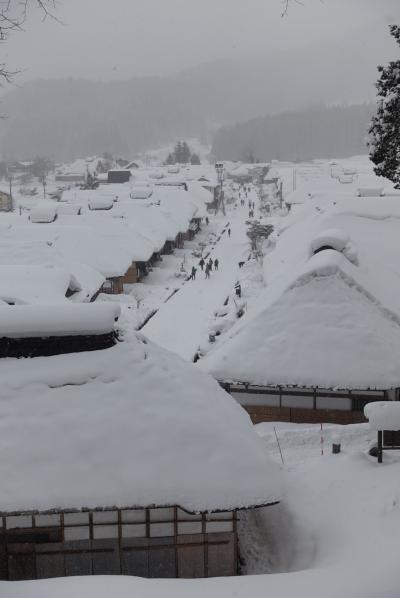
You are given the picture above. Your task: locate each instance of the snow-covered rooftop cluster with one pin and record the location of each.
(97, 234)
(129, 425)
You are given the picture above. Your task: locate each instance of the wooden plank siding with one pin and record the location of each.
(303, 405)
(153, 542)
(131, 275)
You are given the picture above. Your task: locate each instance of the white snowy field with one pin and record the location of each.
(334, 535)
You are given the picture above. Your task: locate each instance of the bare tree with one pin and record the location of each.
(286, 4)
(13, 15)
(138, 294)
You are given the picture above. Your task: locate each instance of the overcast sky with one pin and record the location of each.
(105, 39)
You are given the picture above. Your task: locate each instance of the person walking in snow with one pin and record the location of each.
(210, 264)
(207, 271)
(193, 275)
(229, 232)
(202, 263)
(216, 263)
(207, 220)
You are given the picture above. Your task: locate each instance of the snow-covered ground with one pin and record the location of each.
(335, 533)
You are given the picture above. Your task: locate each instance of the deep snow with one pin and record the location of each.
(336, 532)
(334, 535)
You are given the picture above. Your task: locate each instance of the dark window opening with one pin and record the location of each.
(31, 536)
(324, 248)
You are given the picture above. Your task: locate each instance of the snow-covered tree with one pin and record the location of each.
(180, 155)
(384, 132)
(258, 233)
(195, 160)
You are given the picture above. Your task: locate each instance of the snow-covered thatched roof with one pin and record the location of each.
(33, 283)
(32, 321)
(324, 329)
(133, 425)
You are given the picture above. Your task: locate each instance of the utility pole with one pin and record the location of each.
(10, 179)
(219, 167)
(44, 186)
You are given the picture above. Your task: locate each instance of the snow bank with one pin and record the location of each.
(383, 415)
(27, 321)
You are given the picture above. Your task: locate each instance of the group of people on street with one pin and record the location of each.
(243, 198)
(206, 267)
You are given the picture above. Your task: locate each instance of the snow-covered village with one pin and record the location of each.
(200, 299)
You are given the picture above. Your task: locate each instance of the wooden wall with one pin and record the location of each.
(165, 542)
(131, 275)
(304, 405)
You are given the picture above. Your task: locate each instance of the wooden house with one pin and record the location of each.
(317, 349)
(6, 204)
(70, 177)
(127, 461)
(43, 330)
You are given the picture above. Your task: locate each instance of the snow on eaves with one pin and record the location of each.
(30, 321)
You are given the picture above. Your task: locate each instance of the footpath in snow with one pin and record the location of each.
(183, 323)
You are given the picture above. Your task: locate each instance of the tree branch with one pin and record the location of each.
(13, 14)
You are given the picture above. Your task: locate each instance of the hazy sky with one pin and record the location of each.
(121, 38)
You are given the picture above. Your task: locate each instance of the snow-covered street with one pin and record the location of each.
(183, 323)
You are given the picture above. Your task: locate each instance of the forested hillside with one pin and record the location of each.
(316, 132)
